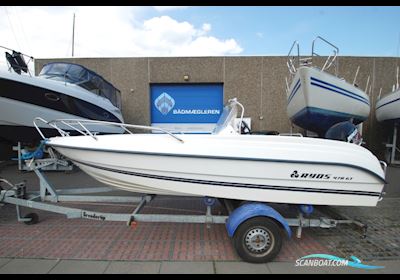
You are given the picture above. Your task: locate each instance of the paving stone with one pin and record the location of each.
(290, 268)
(3, 261)
(187, 268)
(391, 266)
(80, 267)
(28, 266)
(241, 268)
(118, 267)
(352, 270)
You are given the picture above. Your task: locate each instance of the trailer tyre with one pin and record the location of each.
(258, 240)
(34, 219)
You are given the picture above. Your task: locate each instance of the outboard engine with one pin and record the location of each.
(344, 131)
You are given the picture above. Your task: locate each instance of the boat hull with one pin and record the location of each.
(253, 176)
(317, 100)
(23, 98)
(388, 107)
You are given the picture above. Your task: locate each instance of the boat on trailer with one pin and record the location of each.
(255, 169)
(318, 99)
(61, 90)
(226, 164)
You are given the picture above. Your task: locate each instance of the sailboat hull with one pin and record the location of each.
(387, 108)
(317, 100)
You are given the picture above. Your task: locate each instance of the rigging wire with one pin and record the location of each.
(27, 43)
(11, 26)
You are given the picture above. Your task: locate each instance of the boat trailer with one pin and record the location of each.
(257, 229)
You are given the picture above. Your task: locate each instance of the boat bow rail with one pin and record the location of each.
(332, 59)
(294, 60)
(78, 125)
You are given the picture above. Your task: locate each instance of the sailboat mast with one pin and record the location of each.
(73, 35)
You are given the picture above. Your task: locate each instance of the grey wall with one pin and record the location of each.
(257, 81)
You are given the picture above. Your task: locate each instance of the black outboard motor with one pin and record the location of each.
(344, 131)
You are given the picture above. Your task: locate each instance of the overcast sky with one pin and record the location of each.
(46, 32)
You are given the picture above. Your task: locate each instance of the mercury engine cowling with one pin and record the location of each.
(344, 131)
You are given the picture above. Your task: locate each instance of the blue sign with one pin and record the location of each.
(194, 103)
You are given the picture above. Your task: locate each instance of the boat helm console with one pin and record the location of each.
(226, 123)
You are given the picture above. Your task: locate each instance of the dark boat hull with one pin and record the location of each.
(22, 99)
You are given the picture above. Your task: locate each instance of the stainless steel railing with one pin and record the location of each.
(294, 61)
(332, 59)
(78, 125)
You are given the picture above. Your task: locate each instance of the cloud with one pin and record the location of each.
(164, 36)
(46, 32)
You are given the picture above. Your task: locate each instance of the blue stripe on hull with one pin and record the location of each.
(329, 87)
(339, 90)
(294, 90)
(387, 103)
(320, 120)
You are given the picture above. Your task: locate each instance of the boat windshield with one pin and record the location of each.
(227, 118)
(83, 77)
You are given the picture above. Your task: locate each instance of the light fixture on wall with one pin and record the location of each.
(186, 78)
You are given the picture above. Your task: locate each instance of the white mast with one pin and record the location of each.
(73, 35)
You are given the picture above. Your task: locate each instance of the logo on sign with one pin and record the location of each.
(164, 103)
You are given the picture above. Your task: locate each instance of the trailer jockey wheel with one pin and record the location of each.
(34, 219)
(209, 201)
(258, 240)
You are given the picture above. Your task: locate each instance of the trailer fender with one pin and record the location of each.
(251, 210)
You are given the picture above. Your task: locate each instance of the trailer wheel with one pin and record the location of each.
(34, 219)
(258, 240)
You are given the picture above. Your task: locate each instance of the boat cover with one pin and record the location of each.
(83, 77)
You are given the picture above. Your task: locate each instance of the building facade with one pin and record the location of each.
(258, 82)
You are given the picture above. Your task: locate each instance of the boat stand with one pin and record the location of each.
(52, 163)
(236, 222)
(392, 148)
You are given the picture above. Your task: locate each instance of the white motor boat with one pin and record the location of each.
(316, 99)
(61, 90)
(388, 107)
(225, 164)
